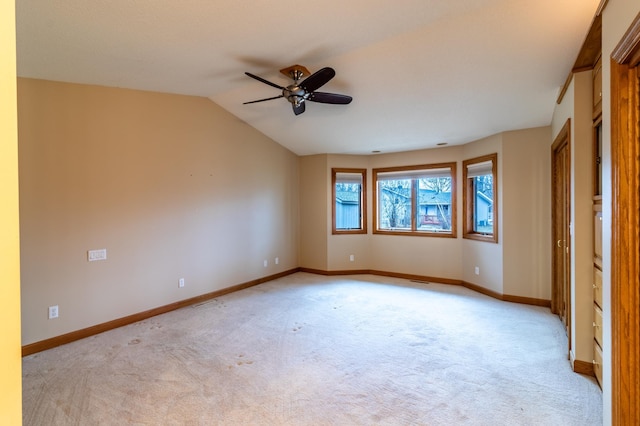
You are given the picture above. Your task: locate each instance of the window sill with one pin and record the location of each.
(348, 231)
(415, 233)
(488, 238)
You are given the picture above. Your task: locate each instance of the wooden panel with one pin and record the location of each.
(625, 219)
(583, 367)
(597, 286)
(597, 325)
(591, 46)
(597, 363)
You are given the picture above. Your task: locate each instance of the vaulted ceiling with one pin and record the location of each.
(421, 72)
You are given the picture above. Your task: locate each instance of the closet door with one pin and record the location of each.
(561, 210)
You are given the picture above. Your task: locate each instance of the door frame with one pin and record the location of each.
(625, 221)
(561, 290)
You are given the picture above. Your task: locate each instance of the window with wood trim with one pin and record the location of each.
(415, 200)
(349, 189)
(479, 197)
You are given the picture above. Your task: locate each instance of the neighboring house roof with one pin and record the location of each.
(428, 196)
(347, 197)
(484, 198)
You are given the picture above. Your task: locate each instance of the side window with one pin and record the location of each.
(480, 196)
(349, 187)
(416, 200)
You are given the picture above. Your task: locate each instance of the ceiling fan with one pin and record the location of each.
(299, 92)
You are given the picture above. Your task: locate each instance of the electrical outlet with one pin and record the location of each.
(53, 312)
(352, 258)
(477, 270)
(181, 282)
(276, 261)
(266, 263)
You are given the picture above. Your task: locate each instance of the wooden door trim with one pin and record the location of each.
(625, 241)
(563, 138)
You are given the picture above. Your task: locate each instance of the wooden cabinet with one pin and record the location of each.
(597, 325)
(597, 235)
(597, 290)
(598, 342)
(597, 287)
(597, 364)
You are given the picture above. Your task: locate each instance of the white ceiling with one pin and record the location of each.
(421, 72)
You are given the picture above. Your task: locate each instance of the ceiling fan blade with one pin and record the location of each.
(329, 98)
(299, 109)
(265, 81)
(318, 79)
(262, 100)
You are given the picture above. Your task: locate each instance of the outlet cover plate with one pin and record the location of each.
(53, 312)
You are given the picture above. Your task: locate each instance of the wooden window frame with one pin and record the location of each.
(468, 200)
(363, 202)
(414, 195)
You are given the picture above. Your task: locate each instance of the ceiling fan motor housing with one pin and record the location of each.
(295, 94)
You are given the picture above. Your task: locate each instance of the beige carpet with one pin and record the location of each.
(312, 350)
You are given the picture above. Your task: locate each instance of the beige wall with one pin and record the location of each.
(563, 111)
(526, 215)
(172, 186)
(10, 358)
(341, 247)
(314, 222)
(582, 218)
(488, 257)
(524, 200)
(434, 257)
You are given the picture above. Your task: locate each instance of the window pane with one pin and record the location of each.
(394, 204)
(348, 205)
(349, 195)
(434, 204)
(483, 204)
(416, 200)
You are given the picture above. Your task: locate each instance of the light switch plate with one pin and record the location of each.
(93, 255)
